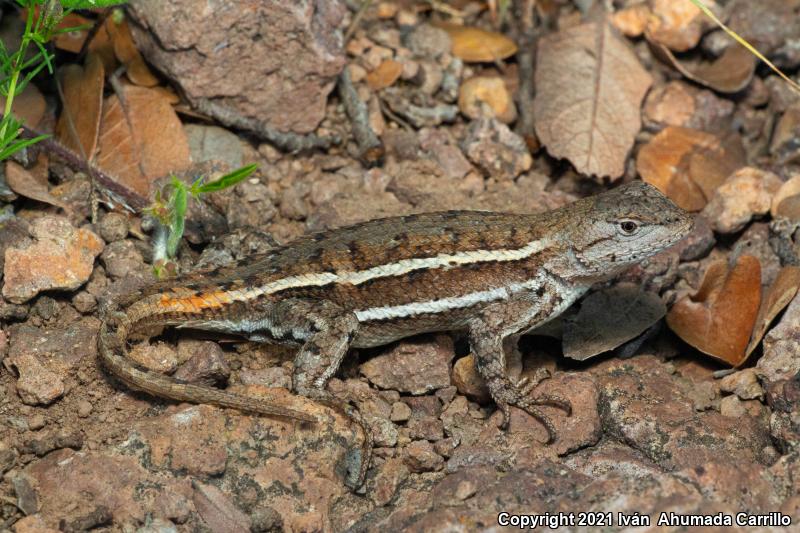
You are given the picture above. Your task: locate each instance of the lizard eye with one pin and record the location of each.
(628, 227)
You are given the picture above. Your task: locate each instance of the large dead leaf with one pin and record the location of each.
(589, 90)
(127, 54)
(688, 165)
(719, 319)
(32, 183)
(474, 45)
(143, 140)
(729, 73)
(609, 318)
(776, 298)
(83, 102)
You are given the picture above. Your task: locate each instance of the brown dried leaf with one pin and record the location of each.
(83, 103)
(719, 318)
(72, 41)
(609, 318)
(677, 24)
(217, 510)
(729, 73)
(777, 297)
(474, 45)
(127, 54)
(589, 90)
(385, 75)
(785, 202)
(28, 106)
(151, 145)
(687, 164)
(30, 183)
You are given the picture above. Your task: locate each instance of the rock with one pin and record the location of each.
(123, 260)
(421, 457)
(428, 41)
(468, 381)
(390, 476)
(113, 227)
(698, 243)
(427, 427)
(412, 366)
(400, 412)
(159, 357)
(743, 384)
(275, 376)
(731, 406)
(781, 359)
(84, 408)
(212, 143)
(218, 511)
(440, 145)
(784, 138)
(206, 363)
(480, 94)
(64, 348)
(747, 192)
(36, 384)
(281, 78)
(679, 104)
(33, 524)
(496, 150)
(60, 258)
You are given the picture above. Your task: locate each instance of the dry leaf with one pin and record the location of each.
(72, 41)
(687, 164)
(28, 106)
(609, 318)
(30, 183)
(83, 101)
(151, 145)
(776, 298)
(729, 73)
(385, 75)
(719, 318)
(589, 90)
(474, 45)
(127, 54)
(677, 24)
(789, 190)
(217, 510)
(489, 90)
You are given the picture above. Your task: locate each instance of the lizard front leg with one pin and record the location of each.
(495, 330)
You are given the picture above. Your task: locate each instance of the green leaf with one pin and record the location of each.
(7, 150)
(228, 180)
(180, 201)
(89, 4)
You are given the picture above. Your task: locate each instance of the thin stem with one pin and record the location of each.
(16, 70)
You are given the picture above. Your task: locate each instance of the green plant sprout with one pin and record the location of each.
(169, 212)
(17, 70)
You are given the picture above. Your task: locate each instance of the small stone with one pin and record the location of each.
(428, 428)
(413, 366)
(428, 41)
(421, 457)
(496, 150)
(747, 192)
(36, 385)
(60, 258)
(45, 308)
(781, 359)
(390, 476)
(84, 408)
(731, 406)
(400, 412)
(36, 422)
(357, 73)
(206, 364)
(468, 381)
(212, 143)
(743, 384)
(159, 357)
(481, 93)
(384, 431)
(465, 489)
(429, 77)
(84, 302)
(113, 227)
(123, 260)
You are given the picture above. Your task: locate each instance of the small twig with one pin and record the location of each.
(526, 60)
(362, 9)
(115, 191)
(370, 148)
(286, 141)
(394, 116)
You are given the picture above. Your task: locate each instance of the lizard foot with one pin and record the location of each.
(518, 396)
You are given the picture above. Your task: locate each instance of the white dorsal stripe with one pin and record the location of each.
(446, 304)
(397, 268)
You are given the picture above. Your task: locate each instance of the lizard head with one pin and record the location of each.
(621, 227)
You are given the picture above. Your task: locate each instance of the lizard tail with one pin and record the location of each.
(112, 349)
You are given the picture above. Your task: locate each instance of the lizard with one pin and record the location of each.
(492, 275)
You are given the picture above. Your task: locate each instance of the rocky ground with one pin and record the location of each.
(657, 425)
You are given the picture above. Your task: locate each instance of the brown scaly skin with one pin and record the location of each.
(493, 275)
